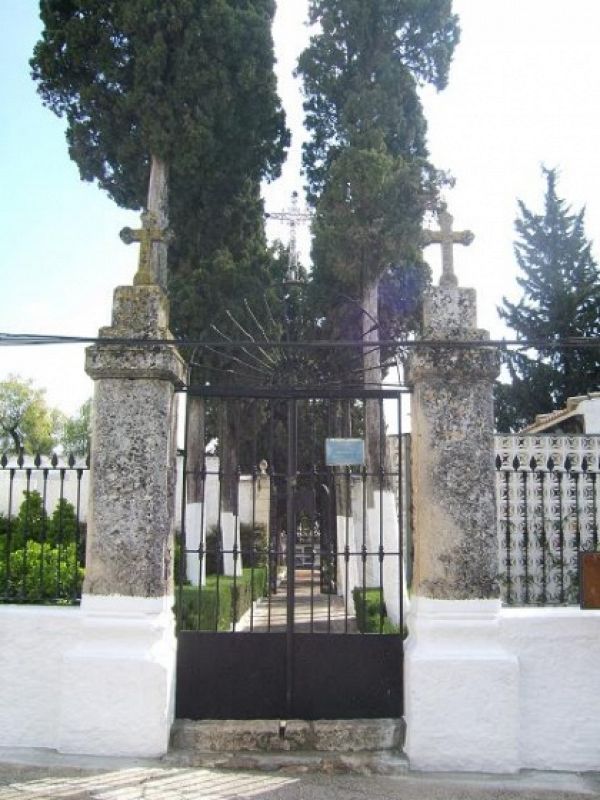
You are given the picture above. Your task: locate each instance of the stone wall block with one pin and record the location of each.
(131, 511)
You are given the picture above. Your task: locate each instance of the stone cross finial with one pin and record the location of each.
(447, 238)
(149, 233)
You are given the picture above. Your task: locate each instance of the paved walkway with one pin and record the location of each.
(313, 612)
(72, 778)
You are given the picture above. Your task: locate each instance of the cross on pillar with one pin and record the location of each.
(147, 235)
(447, 238)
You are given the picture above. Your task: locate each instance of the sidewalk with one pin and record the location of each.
(313, 612)
(42, 775)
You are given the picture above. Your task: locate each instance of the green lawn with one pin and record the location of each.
(205, 609)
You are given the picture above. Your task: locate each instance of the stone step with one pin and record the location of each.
(362, 746)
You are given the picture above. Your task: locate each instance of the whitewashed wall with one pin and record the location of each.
(93, 680)
(491, 689)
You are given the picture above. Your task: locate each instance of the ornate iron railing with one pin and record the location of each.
(548, 512)
(42, 531)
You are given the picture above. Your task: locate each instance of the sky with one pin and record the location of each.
(523, 91)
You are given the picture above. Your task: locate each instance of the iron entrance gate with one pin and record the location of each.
(290, 565)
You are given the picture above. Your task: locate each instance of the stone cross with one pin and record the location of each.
(447, 238)
(149, 233)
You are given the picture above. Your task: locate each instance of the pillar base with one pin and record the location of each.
(461, 688)
(118, 684)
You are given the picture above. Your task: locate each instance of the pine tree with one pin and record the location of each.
(561, 299)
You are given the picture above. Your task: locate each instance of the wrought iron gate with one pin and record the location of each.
(290, 558)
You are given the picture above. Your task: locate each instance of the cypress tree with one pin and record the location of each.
(366, 161)
(185, 87)
(560, 280)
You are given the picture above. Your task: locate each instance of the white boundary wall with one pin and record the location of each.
(498, 690)
(94, 680)
(486, 688)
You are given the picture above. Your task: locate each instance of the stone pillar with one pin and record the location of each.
(461, 685)
(118, 683)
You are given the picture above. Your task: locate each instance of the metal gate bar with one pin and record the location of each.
(299, 666)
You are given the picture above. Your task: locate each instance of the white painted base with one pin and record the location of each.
(117, 684)
(230, 526)
(94, 680)
(346, 535)
(559, 659)
(461, 688)
(195, 534)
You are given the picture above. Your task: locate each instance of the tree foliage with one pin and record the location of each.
(560, 280)
(27, 424)
(191, 82)
(366, 161)
(76, 432)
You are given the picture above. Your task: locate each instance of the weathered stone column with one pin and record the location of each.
(461, 685)
(118, 684)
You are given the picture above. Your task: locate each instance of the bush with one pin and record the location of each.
(370, 609)
(253, 545)
(38, 573)
(62, 528)
(201, 608)
(31, 523)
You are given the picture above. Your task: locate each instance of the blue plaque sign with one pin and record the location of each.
(344, 452)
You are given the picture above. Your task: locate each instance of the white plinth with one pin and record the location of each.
(117, 684)
(461, 688)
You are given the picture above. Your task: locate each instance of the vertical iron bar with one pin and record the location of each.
(594, 511)
(273, 554)
(44, 531)
(507, 541)
(400, 514)
(291, 554)
(253, 546)
(348, 471)
(382, 455)
(364, 545)
(525, 535)
(77, 544)
(27, 531)
(575, 477)
(61, 551)
(218, 537)
(9, 523)
(544, 537)
(561, 535)
(182, 531)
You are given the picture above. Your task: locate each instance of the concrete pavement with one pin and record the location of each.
(43, 775)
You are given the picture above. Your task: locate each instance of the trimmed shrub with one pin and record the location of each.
(39, 573)
(371, 612)
(215, 605)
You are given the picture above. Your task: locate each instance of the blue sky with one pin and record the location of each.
(523, 90)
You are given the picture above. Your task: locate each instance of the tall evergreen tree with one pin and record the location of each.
(366, 160)
(187, 88)
(561, 299)
(369, 177)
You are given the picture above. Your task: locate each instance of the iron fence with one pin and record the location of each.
(42, 533)
(547, 516)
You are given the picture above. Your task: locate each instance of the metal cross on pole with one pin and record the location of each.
(293, 216)
(447, 238)
(146, 236)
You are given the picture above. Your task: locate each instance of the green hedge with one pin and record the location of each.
(39, 573)
(369, 604)
(200, 608)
